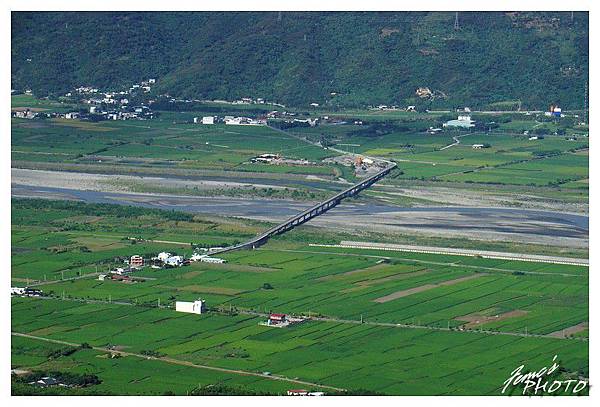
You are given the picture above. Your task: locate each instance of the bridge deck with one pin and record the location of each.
(309, 213)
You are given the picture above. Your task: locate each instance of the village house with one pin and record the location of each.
(136, 261)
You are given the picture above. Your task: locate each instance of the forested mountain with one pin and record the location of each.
(299, 58)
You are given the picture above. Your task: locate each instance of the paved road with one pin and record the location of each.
(184, 363)
(456, 141)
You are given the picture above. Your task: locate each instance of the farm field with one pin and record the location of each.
(391, 360)
(129, 375)
(394, 323)
(510, 159)
(321, 284)
(162, 143)
(286, 275)
(458, 311)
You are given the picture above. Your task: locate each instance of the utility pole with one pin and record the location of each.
(456, 25)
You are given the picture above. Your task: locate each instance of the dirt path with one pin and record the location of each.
(456, 142)
(182, 362)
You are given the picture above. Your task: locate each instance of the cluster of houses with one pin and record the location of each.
(48, 381)
(302, 392)
(281, 321)
(26, 114)
(162, 260)
(231, 120)
(554, 111)
(94, 113)
(26, 292)
(277, 159)
(93, 95)
(246, 101)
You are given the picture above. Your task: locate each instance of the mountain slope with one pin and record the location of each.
(365, 58)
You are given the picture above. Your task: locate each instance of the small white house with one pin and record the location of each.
(208, 120)
(477, 146)
(102, 277)
(196, 307)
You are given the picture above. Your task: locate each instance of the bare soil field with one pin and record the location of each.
(414, 290)
(473, 320)
(571, 330)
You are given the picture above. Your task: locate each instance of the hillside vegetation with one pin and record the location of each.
(338, 59)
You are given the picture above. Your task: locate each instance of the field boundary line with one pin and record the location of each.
(180, 362)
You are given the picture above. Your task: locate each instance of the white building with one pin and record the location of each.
(235, 121)
(215, 260)
(208, 120)
(196, 307)
(197, 257)
(102, 277)
(162, 256)
(17, 290)
(463, 121)
(174, 260)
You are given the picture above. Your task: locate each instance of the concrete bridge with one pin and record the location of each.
(309, 213)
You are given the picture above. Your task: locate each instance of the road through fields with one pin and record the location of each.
(182, 362)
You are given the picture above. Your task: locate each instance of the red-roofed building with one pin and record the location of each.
(277, 318)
